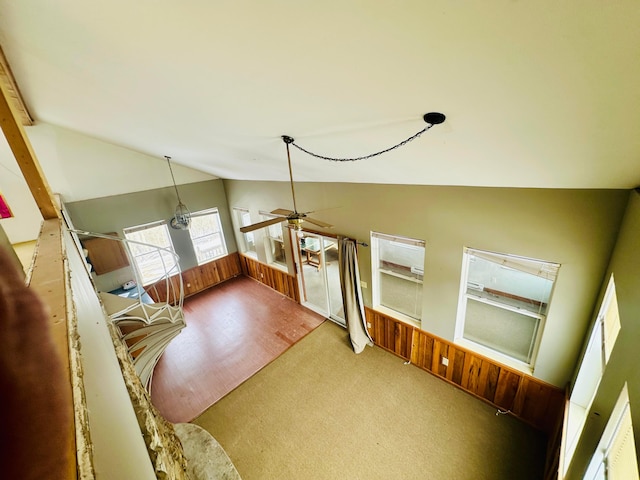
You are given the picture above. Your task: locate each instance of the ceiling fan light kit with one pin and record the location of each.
(296, 223)
(182, 217)
(295, 218)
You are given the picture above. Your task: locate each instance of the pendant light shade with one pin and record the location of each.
(182, 217)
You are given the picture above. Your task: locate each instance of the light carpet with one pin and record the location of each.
(321, 412)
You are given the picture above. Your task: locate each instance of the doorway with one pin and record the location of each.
(316, 258)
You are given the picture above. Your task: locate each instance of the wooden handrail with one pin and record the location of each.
(48, 280)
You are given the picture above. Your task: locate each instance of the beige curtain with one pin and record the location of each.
(352, 295)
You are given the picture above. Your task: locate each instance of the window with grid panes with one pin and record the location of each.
(207, 236)
(397, 274)
(243, 219)
(504, 300)
(274, 242)
(151, 263)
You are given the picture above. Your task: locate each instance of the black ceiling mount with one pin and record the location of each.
(287, 139)
(434, 118)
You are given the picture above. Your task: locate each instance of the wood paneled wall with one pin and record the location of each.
(272, 277)
(198, 278)
(533, 401)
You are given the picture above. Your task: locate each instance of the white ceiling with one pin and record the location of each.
(537, 94)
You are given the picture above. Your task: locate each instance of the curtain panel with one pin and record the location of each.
(352, 295)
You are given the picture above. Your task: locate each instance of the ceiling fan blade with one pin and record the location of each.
(317, 222)
(266, 223)
(282, 211)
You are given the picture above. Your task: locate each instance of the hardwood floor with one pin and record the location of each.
(233, 330)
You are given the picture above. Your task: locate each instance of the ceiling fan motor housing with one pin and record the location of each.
(296, 222)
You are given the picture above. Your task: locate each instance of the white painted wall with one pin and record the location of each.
(25, 225)
(81, 167)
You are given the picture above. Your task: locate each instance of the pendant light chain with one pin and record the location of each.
(182, 218)
(173, 178)
(293, 193)
(365, 157)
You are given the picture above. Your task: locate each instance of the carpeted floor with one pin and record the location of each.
(321, 412)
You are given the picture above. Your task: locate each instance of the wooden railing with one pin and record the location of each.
(272, 277)
(49, 279)
(531, 400)
(102, 388)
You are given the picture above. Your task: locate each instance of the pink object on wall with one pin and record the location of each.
(5, 211)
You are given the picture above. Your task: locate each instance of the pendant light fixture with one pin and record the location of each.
(182, 217)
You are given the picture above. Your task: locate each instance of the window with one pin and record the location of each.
(503, 303)
(397, 271)
(152, 263)
(610, 319)
(206, 235)
(615, 457)
(248, 238)
(273, 242)
(601, 340)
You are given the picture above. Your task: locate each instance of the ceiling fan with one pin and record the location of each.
(293, 218)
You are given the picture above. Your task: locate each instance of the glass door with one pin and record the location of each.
(318, 274)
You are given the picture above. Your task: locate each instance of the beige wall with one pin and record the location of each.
(6, 245)
(80, 167)
(112, 214)
(576, 228)
(623, 363)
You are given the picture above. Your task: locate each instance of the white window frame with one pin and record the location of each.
(239, 213)
(268, 238)
(602, 338)
(404, 242)
(610, 317)
(619, 423)
(220, 233)
(509, 261)
(170, 267)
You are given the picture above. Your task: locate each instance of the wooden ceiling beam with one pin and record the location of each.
(7, 78)
(21, 147)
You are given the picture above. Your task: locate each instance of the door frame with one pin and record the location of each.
(300, 278)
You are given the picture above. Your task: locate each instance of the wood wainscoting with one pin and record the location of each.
(272, 277)
(535, 402)
(198, 278)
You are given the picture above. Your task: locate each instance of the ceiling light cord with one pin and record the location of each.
(432, 119)
(182, 218)
(173, 178)
(287, 141)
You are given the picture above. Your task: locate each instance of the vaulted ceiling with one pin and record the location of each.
(536, 94)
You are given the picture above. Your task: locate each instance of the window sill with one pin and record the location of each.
(493, 355)
(398, 316)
